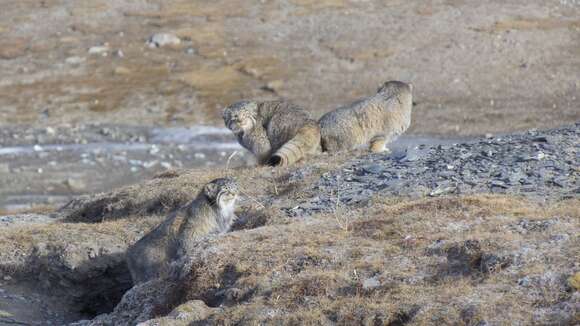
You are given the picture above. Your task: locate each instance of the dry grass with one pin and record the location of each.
(124, 215)
(18, 243)
(260, 187)
(369, 265)
(313, 272)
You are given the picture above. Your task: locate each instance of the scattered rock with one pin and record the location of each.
(524, 281)
(442, 189)
(75, 60)
(510, 164)
(163, 39)
(99, 50)
(525, 226)
(121, 71)
(371, 283)
(75, 185)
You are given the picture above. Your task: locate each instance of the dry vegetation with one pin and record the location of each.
(385, 270)
(166, 191)
(449, 260)
(457, 260)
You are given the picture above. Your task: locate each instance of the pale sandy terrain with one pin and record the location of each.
(477, 67)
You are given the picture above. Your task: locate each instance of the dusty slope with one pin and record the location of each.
(429, 262)
(478, 67)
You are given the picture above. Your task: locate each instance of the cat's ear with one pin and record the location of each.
(210, 189)
(226, 113)
(252, 107)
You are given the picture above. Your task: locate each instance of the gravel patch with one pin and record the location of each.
(543, 165)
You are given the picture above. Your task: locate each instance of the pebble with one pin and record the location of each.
(99, 50)
(150, 164)
(371, 283)
(75, 184)
(524, 281)
(374, 168)
(121, 71)
(154, 150)
(163, 39)
(74, 60)
(274, 86)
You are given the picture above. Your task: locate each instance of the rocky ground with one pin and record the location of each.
(539, 164)
(484, 249)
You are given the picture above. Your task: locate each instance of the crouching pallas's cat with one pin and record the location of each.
(373, 121)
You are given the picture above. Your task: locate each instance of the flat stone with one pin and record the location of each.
(99, 50)
(163, 39)
(374, 168)
(75, 184)
(371, 283)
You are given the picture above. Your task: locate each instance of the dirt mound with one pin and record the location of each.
(157, 196)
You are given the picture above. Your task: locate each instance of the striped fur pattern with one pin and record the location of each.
(278, 133)
(371, 122)
(211, 212)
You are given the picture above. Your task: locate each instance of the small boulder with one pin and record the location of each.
(371, 283)
(99, 50)
(163, 39)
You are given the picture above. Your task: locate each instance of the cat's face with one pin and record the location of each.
(241, 116)
(223, 191)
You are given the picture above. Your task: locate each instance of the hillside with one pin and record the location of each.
(331, 241)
